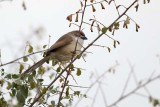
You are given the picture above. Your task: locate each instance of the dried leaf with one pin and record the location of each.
(116, 25)
(110, 28)
(93, 8)
(69, 18)
(102, 6)
(126, 22)
(114, 44)
(91, 1)
(118, 42)
(67, 92)
(137, 27)
(98, 28)
(76, 18)
(91, 28)
(137, 7)
(81, 4)
(24, 5)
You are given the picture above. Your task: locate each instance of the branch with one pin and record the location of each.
(60, 96)
(83, 15)
(21, 58)
(96, 81)
(136, 89)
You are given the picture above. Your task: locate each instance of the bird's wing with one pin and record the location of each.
(62, 41)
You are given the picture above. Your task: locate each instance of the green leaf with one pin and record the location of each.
(40, 80)
(8, 76)
(9, 85)
(71, 66)
(156, 102)
(53, 103)
(41, 70)
(32, 84)
(14, 85)
(116, 25)
(30, 78)
(104, 30)
(34, 73)
(44, 90)
(77, 93)
(3, 102)
(109, 49)
(22, 94)
(67, 92)
(61, 79)
(30, 50)
(58, 69)
(13, 92)
(78, 72)
(44, 46)
(21, 68)
(24, 90)
(25, 59)
(15, 76)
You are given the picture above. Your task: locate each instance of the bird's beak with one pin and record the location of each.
(84, 38)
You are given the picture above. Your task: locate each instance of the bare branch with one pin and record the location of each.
(21, 58)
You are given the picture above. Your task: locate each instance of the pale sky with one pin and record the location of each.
(140, 49)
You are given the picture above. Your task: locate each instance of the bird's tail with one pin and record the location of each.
(35, 66)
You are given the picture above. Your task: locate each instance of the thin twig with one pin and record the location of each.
(21, 58)
(83, 15)
(97, 2)
(116, 7)
(77, 86)
(93, 83)
(95, 96)
(134, 90)
(64, 85)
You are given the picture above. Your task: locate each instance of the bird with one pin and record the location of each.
(63, 50)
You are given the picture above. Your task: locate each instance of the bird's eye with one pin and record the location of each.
(83, 37)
